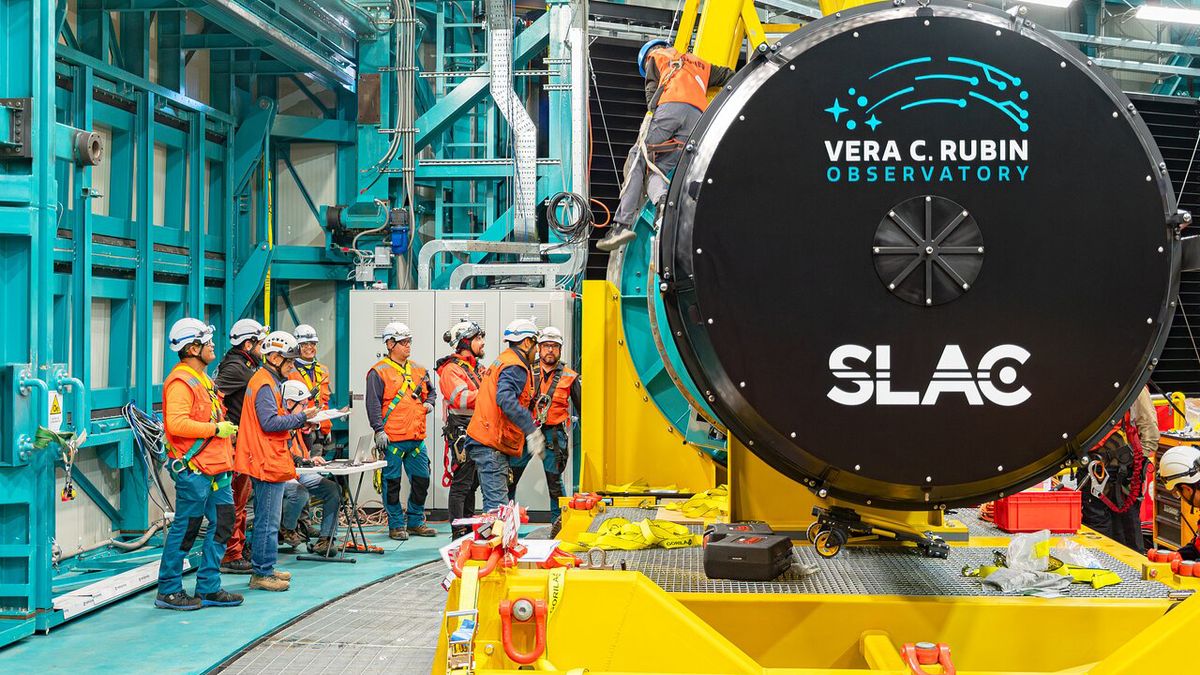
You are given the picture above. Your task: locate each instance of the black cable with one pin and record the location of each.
(581, 227)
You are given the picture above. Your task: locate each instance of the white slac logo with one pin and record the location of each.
(951, 376)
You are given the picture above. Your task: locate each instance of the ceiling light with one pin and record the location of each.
(1168, 14)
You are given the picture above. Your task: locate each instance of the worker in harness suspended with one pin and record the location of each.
(1116, 475)
(399, 397)
(459, 377)
(196, 435)
(315, 376)
(1179, 470)
(503, 424)
(558, 390)
(676, 95)
(239, 364)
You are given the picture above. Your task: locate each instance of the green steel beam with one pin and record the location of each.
(248, 283)
(250, 141)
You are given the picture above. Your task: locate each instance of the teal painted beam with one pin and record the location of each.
(313, 129)
(527, 44)
(93, 493)
(106, 71)
(249, 141)
(248, 283)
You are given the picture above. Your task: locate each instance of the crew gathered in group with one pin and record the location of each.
(244, 432)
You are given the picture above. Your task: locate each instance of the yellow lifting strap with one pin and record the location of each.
(640, 486)
(619, 534)
(712, 503)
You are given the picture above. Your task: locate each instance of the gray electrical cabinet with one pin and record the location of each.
(430, 314)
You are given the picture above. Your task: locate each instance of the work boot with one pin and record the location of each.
(271, 583)
(399, 534)
(239, 566)
(324, 546)
(459, 532)
(280, 574)
(181, 601)
(423, 530)
(221, 599)
(617, 237)
(556, 527)
(291, 538)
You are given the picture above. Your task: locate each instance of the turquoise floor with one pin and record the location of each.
(133, 637)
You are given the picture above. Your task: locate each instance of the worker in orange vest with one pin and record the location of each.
(262, 454)
(459, 377)
(315, 376)
(196, 438)
(503, 425)
(307, 485)
(558, 390)
(676, 96)
(399, 397)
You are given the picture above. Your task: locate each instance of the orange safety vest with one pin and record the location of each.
(212, 456)
(260, 454)
(683, 78)
(559, 401)
(404, 396)
(318, 388)
(489, 426)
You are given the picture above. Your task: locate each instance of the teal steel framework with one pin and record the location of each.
(88, 65)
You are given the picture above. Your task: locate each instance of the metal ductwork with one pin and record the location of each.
(500, 41)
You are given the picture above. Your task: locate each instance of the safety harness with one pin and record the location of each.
(542, 404)
(407, 387)
(1122, 439)
(454, 432)
(182, 464)
(314, 383)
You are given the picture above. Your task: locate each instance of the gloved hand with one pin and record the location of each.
(225, 429)
(1189, 552)
(535, 443)
(428, 407)
(381, 441)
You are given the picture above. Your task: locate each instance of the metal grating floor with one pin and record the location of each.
(388, 627)
(880, 570)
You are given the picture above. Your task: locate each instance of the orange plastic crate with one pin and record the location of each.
(1057, 511)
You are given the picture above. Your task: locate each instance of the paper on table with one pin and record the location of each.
(326, 415)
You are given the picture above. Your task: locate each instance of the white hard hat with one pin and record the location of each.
(246, 329)
(189, 330)
(305, 333)
(551, 334)
(1180, 464)
(519, 330)
(280, 342)
(463, 330)
(396, 331)
(294, 390)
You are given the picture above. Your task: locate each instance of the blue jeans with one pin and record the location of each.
(296, 494)
(195, 500)
(492, 466)
(554, 460)
(264, 542)
(412, 458)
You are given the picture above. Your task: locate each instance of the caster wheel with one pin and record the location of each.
(828, 543)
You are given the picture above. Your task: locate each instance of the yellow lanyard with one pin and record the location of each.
(213, 401)
(406, 373)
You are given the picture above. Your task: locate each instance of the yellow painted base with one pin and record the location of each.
(625, 439)
(620, 622)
